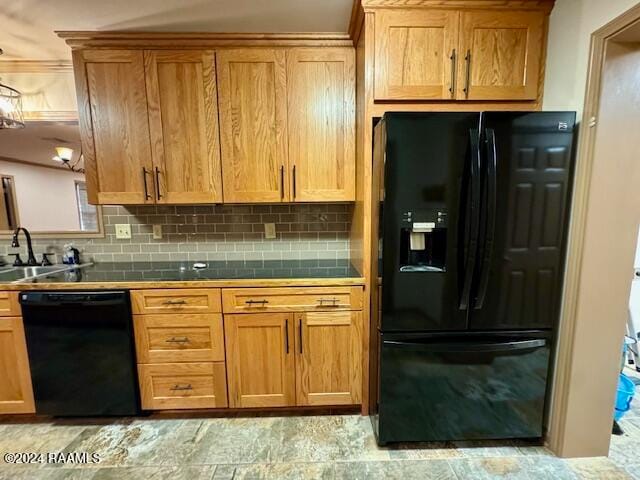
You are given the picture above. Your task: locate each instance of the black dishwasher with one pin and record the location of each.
(81, 353)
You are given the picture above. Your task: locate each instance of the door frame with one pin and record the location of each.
(563, 437)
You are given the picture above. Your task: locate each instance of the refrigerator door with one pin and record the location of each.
(464, 387)
(527, 180)
(429, 219)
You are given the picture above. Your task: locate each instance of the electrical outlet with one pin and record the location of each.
(157, 232)
(269, 230)
(123, 231)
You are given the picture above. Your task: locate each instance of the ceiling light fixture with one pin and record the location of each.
(65, 155)
(10, 107)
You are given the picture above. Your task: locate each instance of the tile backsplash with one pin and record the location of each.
(212, 232)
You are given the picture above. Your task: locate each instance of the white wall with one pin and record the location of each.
(570, 27)
(46, 197)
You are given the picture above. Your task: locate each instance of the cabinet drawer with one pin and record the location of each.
(205, 300)
(9, 306)
(167, 386)
(179, 338)
(291, 299)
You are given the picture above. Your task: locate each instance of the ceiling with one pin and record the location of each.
(28, 26)
(36, 143)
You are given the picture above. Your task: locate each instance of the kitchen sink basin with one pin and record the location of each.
(39, 270)
(26, 273)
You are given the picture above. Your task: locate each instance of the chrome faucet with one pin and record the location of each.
(31, 261)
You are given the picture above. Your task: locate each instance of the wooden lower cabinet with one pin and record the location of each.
(288, 359)
(260, 359)
(182, 385)
(16, 392)
(176, 301)
(329, 358)
(179, 338)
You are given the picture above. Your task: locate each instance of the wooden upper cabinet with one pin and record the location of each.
(260, 359)
(252, 94)
(505, 51)
(329, 358)
(414, 54)
(321, 117)
(114, 126)
(16, 392)
(183, 124)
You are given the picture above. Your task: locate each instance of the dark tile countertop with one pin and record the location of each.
(184, 271)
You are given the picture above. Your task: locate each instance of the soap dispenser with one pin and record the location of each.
(71, 255)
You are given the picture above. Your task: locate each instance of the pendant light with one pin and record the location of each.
(65, 155)
(10, 107)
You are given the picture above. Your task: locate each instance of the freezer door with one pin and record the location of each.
(527, 180)
(462, 388)
(425, 218)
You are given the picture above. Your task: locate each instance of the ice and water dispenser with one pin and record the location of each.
(423, 241)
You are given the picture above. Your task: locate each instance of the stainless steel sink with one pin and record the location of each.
(24, 274)
(39, 270)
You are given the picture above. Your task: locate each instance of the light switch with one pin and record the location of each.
(123, 231)
(270, 230)
(157, 232)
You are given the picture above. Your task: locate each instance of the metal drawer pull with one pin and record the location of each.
(300, 330)
(286, 336)
(256, 302)
(333, 302)
(467, 80)
(181, 387)
(147, 196)
(175, 302)
(452, 88)
(177, 340)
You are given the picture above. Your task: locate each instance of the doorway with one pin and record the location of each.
(606, 215)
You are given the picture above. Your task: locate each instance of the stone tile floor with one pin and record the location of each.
(304, 447)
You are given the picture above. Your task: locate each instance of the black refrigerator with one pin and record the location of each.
(472, 215)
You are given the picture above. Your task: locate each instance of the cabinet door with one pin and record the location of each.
(183, 123)
(16, 393)
(500, 55)
(414, 54)
(329, 358)
(321, 115)
(114, 126)
(260, 359)
(253, 124)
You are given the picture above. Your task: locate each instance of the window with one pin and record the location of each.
(88, 213)
(8, 211)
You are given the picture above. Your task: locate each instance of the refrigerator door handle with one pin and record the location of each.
(466, 347)
(472, 247)
(490, 226)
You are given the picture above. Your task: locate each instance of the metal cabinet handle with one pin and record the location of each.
(286, 336)
(147, 195)
(294, 181)
(177, 340)
(467, 82)
(281, 182)
(452, 88)
(256, 302)
(158, 183)
(332, 301)
(182, 387)
(175, 302)
(300, 333)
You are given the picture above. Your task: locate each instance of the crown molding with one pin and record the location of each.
(545, 5)
(356, 22)
(35, 66)
(100, 39)
(51, 115)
